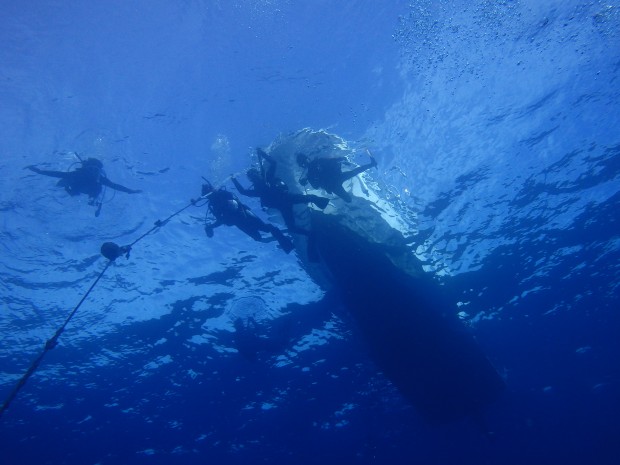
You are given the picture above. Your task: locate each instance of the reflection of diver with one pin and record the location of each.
(89, 178)
(326, 173)
(228, 210)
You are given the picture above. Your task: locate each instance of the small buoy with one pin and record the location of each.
(112, 251)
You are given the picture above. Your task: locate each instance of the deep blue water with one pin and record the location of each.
(495, 124)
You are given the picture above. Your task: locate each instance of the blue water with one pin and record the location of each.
(495, 125)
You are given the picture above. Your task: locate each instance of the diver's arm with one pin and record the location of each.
(117, 187)
(243, 190)
(54, 174)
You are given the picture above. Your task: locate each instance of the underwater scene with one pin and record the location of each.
(309, 232)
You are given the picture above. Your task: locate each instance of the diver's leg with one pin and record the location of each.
(355, 171)
(298, 198)
(286, 244)
(252, 226)
(340, 192)
(289, 219)
(320, 202)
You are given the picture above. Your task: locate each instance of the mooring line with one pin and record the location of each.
(111, 251)
(49, 345)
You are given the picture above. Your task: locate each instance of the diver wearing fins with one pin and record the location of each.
(89, 178)
(327, 174)
(226, 208)
(274, 193)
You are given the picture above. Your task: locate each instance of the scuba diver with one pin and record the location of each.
(326, 173)
(274, 193)
(89, 178)
(227, 209)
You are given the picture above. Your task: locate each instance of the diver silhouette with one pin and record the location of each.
(274, 193)
(226, 208)
(89, 178)
(327, 174)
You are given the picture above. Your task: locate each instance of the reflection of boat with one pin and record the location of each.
(415, 336)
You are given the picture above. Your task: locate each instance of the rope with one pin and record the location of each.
(49, 345)
(158, 224)
(111, 251)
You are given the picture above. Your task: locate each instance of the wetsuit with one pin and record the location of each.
(274, 193)
(227, 209)
(88, 179)
(327, 174)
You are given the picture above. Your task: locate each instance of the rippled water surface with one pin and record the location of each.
(495, 126)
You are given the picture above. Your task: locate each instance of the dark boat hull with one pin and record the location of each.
(415, 338)
(414, 333)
